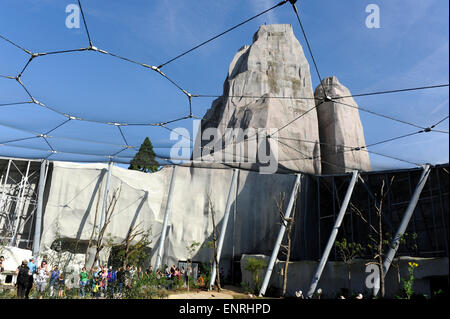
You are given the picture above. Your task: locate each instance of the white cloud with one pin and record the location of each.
(259, 6)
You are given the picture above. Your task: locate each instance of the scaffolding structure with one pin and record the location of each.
(18, 201)
(429, 223)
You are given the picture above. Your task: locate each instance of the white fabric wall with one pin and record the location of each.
(77, 189)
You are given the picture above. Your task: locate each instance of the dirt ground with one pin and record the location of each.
(228, 292)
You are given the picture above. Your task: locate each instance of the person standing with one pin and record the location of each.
(96, 283)
(128, 277)
(23, 274)
(149, 272)
(167, 272)
(121, 279)
(41, 279)
(104, 281)
(33, 268)
(54, 276)
(2, 268)
(61, 285)
(83, 281)
(112, 278)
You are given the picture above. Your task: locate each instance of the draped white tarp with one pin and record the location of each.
(76, 193)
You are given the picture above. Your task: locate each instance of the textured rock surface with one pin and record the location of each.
(340, 126)
(273, 67)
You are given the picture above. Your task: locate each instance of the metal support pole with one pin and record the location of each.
(276, 248)
(105, 196)
(405, 221)
(19, 206)
(224, 227)
(5, 182)
(41, 188)
(333, 235)
(441, 204)
(166, 220)
(318, 216)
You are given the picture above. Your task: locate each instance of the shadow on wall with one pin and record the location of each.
(254, 220)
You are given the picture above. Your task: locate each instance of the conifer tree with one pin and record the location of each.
(144, 160)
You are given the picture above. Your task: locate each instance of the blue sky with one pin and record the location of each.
(411, 49)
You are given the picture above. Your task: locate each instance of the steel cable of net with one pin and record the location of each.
(251, 97)
(312, 98)
(393, 91)
(90, 48)
(73, 117)
(201, 148)
(111, 156)
(309, 46)
(220, 34)
(378, 114)
(35, 101)
(37, 134)
(312, 158)
(437, 123)
(364, 147)
(52, 150)
(84, 22)
(190, 106)
(175, 83)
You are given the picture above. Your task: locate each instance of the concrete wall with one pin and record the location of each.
(334, 276)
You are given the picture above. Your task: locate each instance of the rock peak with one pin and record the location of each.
(340, 129)
(268, 84)
(273, 30)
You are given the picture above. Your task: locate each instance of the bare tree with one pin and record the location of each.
(91, 238)
(192, 248)
(133, 233)
(289, 226)
(348, 252)
(108, 215)
(378, 243)
(213, 243)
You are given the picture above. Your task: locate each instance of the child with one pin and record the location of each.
(61, 286)
(54, 280)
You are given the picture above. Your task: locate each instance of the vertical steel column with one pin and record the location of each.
(318, 214)
(441, 204)
(38, 220)
(411, 194)
(333, 235)
(433, 210)
(2, 201)
(333, 182)
(105, 196)
(405, 221)
(166, 220)
(234, 227)
(224, 228)
(19, 204)
(273, 258)
(304, 237)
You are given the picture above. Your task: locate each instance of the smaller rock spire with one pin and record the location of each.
(340, 129)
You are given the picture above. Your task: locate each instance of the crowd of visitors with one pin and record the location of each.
(98, 281)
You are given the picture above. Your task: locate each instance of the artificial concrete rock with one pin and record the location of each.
(268, 86)
(341, 130)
